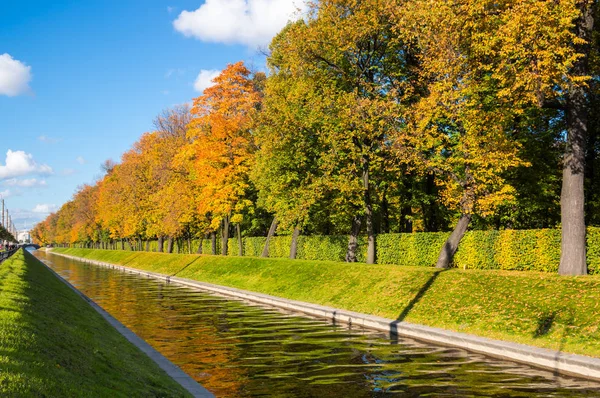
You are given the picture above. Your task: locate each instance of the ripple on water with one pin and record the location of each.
(239, 350)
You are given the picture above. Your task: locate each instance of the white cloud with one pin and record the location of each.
(44, 209)
(48, 140)
(14, 76)
(80, 160)
(68, 172)
(205, 79)
(19, 163)
(249, 22)
(27, 218)
(6, 194)
(27, 183)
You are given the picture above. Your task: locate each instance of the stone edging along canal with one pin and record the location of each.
(560, 362)
(191, 385)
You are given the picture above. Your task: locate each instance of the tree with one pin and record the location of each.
(286, 171)
(85, 228)
(223, 146)
(172, 211)
(460, 126)
(573, 248)
(347, 47)
(534, 53)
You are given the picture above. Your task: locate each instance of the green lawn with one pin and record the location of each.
(53, 344)
(539, 309)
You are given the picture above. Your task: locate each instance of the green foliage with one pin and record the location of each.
(593, 247)
(5, 235)
(519, 250)
(254, 246)
(331, 248)
(280, 246)
(419, 249)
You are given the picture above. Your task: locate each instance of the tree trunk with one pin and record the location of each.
(265, 252)
(353, 240)
(122, 244)
(294, 245)
(147, 245)
(238, 230)
(131, 248)
(225, 236)
(161, 244)
(189, 241)
(199, 251)
(451, 244)
(573, 250)
(368, 214)
(213, 243)
(170, 244)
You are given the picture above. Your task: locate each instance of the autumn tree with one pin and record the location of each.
(223, 146)
(533, 53)
(347, 47)
(123, 201)
(172, 212)
(85, 227)
(460, 128)
(286, 172)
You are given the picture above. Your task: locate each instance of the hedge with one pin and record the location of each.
(525, 250)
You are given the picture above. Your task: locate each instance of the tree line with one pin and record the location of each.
(374, 117)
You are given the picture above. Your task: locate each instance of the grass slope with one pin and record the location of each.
(52, 343)
(540, 309)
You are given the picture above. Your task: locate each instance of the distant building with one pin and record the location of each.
(24, 237)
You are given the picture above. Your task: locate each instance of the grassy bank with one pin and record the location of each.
(509, 249)
(52, 343)
(539, 309)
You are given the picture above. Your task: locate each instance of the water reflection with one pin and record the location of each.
(238, 350)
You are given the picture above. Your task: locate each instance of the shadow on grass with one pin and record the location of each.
(561, 347)
(131, 259)
(411, 304)
(185, 266)
(545, 323)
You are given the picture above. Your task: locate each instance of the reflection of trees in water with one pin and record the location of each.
(236, 350)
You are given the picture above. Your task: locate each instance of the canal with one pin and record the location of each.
(239, 350)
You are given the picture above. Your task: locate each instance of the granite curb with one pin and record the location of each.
(557, 361)
(172, 370)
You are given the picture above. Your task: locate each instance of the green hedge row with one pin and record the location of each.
(528, 250)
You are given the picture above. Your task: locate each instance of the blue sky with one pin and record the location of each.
(80, 81)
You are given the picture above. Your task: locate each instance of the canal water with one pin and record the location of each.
(239, 350)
